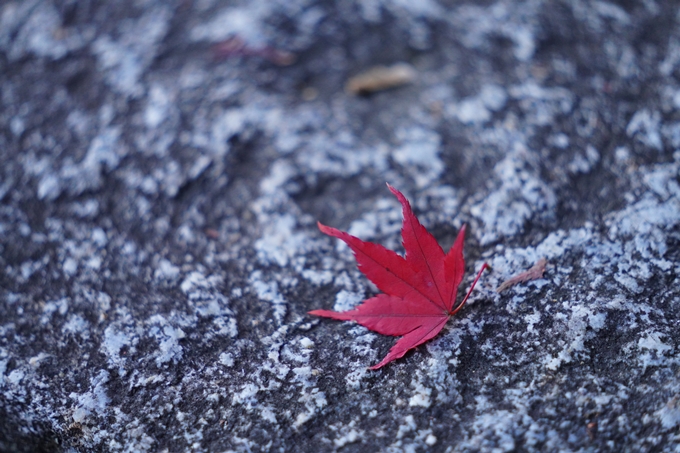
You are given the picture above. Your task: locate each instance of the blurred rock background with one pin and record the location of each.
(162, 167)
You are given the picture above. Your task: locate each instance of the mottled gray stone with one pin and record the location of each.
(158, 246)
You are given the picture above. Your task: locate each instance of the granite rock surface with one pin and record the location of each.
(163, 166)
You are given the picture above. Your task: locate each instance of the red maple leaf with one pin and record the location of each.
(419, 289)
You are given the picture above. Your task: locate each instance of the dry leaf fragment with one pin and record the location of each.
(381, 78)
(534, 273)
(237, 47)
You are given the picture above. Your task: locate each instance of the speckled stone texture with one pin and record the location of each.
(159, 252)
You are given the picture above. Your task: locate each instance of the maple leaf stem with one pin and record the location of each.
(453, 312)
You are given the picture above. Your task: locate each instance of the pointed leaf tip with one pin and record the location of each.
(330, 231)
(400, 196)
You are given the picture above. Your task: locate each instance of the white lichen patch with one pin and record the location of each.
(280, 242)
(481, 23)
(226, 359)
(652, 350)
(34, 29)
(245, 22)
(168, 271)
(496, 430)
(104, 153)
(418, 153)
(123, 61)
(306, 343)
(269, 291)
(94, 402)
(348, 438)
(267, 413)
(76, 324)
(246, 395)
(317, 277)
(520, 195)
(168, 337)
(35, 360)
(584, 162)
(645, 127)
(311, 397)
(114, 341)
(421, 395)
(430, 439)
(408, 426)
(54, 307)
(478, 109)
(384, 220)
(206, 298)
(353, 378)
(669, 414)
(347, 300)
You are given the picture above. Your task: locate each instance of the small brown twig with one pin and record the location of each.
(534, 273)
